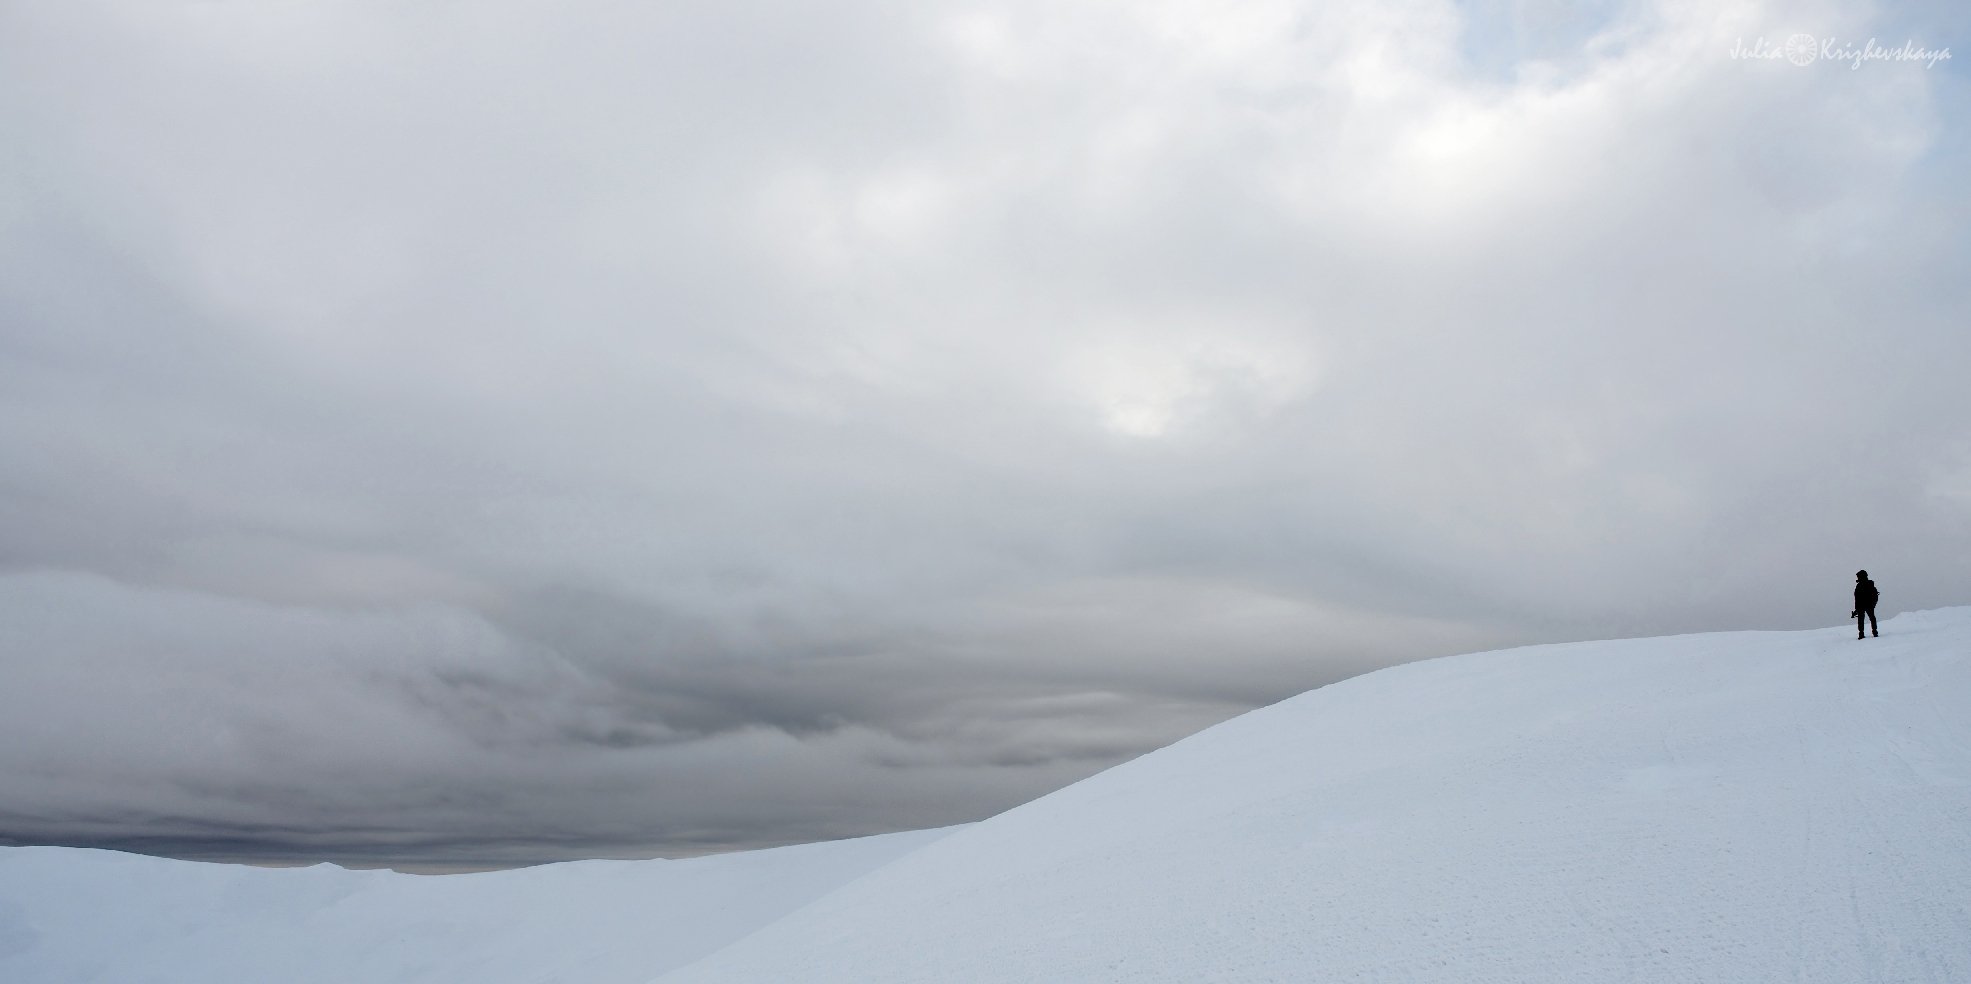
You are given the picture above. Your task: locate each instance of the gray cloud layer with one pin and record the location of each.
(506, 431)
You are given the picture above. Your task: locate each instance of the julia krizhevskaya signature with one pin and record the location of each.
(1806, 49)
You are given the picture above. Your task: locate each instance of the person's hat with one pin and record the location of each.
(1861, 573)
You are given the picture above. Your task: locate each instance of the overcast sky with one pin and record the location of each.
(453, 432)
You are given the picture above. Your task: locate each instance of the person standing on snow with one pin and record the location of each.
(1865, 596)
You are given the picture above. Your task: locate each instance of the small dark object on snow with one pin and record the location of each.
(1865, 598)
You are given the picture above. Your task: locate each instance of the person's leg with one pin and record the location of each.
(1871, 622)
(1861, 615)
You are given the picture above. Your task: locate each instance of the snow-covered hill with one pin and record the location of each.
(1729, 807)
(1736, 807)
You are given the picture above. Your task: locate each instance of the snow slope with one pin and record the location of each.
(1732, 807)
(69, 915)
(1755, 806)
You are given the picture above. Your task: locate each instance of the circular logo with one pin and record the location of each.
(1802, 49)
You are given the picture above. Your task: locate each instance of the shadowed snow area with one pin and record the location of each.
(74, 915)
(1724, 807)
(1744, 806)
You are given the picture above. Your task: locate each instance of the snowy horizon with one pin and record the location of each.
(1736, 806)
(453, 435)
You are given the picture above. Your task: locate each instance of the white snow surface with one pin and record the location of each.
(1734, 807)
(1731, 807)
(72, 915)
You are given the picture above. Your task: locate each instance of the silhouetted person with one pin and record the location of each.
(1864, 604)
